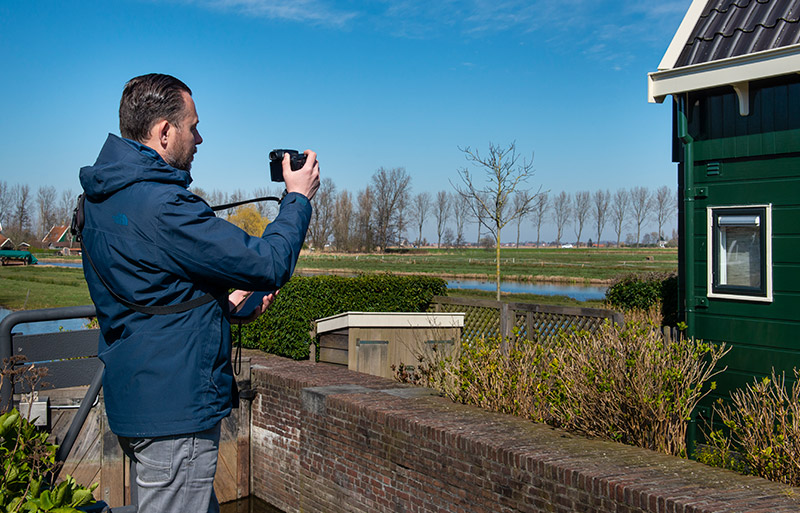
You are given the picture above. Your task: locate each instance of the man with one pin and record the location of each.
(159, 266)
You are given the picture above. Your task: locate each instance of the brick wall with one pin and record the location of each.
(325, 439)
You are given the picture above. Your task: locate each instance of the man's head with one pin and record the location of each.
(158, 111)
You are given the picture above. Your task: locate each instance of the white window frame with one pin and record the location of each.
(710, 247)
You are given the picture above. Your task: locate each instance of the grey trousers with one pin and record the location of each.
(174, 474)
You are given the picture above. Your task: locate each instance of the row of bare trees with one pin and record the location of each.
(492, 193)
(632, 208)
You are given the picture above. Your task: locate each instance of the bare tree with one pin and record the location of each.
(581, 205)
(600, 211)
(268, 209)
(5, 203)
(441, 209)
(540, 206)
(523, 203)
(665, 207)
(562, 211)
(390, 190)
(321, 225)
(47, 209)
(342, 221)
(505, 175)
(364, 219)
(619, 212)
(478, 215)
(420, 208)
(20, 218)
(461, 212)
(641, 206)
(66, 205)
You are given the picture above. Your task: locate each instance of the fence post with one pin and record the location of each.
(505, 326)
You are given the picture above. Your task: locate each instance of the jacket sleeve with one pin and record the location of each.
(204, 249)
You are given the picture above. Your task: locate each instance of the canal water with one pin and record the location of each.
(576, 291)
(31, 328)
(248, 505)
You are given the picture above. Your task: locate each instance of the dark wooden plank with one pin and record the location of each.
(335, 356)
(334, 341)
(56, 346)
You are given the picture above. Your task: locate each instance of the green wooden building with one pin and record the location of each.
(732, 71)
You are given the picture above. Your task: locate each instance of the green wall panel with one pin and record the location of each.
(778, 334)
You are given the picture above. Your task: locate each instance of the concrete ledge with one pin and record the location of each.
(378, 446)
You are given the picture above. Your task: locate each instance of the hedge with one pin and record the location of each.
(645, 290)
(284, 329)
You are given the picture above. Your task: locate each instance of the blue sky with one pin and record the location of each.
(364, 83)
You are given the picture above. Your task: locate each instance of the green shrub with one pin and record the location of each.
(27, 459)
(622, 383)
(761, 434)
(284, 329)
(645, 291)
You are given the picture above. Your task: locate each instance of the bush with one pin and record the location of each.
(643, 291)
(622, 383)
(27, 459)
(762, 431)
(284, 329)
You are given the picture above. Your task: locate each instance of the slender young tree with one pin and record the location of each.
(665, 206)
(540, 206)
(420, 208)
(641, 207)
(562, 211)
(600, 210)
(461, 212)
(441, 209)
(619, 212)
(504, 174)
(581, 205)
(364, 220)
(523, 204)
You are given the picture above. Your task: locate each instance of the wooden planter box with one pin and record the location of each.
(372, 342)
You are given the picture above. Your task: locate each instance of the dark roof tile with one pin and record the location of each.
(729, 28)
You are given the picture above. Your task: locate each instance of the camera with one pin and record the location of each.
(297, 160)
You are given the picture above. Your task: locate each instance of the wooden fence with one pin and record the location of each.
(487, 318)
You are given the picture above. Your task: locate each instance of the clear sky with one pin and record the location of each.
(392, 83)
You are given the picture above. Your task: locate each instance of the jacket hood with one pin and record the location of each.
(123, 162)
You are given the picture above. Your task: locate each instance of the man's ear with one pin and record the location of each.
(159, 134)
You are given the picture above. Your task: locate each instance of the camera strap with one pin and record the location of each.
(76, 226)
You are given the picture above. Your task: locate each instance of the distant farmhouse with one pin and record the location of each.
(732, 70)
(59, 237)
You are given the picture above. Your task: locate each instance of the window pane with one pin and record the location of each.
(740, 256)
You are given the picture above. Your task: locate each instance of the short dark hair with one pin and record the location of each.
(147, 99)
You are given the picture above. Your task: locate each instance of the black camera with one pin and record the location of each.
(297, 160)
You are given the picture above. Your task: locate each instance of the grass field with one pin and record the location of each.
(526, 264)
(33, 286)
(40, 286)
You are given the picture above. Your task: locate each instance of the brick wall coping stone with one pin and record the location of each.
(541, 468)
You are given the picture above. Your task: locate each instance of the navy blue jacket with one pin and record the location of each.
(155, 243)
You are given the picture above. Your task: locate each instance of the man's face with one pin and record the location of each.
(186, 137)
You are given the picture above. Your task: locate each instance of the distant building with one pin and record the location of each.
(60, 238)
(5, 242)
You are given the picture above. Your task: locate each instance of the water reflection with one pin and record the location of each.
(579, 292)
(248, 505)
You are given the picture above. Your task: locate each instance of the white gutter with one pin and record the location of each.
(730, 71)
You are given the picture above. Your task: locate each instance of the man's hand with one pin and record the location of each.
(237, 297)
(306, 179)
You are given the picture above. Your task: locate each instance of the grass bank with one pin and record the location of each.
(586, 265)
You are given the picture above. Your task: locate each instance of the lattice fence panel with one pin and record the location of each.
(478, 321)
